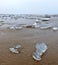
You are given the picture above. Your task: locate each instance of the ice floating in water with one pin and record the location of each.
(40, 49)
(55, 28)
(13, 50)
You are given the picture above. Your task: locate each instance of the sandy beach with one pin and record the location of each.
(28, 37)
(28, 32)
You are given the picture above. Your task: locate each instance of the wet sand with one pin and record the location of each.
(28, 37)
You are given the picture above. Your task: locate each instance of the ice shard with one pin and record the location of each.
(14, 50)
(40, 49)
(45, 26)
(55, 28)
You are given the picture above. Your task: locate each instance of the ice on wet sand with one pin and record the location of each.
(40, 49)
(14, 50)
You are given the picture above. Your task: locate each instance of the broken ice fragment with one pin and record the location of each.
(40, 49)
(35, 25)
(37, 20)
(18, 28)
(38, 52)
(55, 28)
(45, 26)
(12, 28)
(13, 50)
(36, 57)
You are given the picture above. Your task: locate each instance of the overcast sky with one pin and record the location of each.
(28, 6)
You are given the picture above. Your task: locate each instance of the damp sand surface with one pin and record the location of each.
(27, 38)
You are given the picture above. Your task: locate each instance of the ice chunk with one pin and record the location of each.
(40, 49)
(13, 50)
(55, 28)
(36, 57)
(37, 20)
(35, 25)
(38, 52)
(15, 27)
(45, 26)
(12, 28)
(18, 28)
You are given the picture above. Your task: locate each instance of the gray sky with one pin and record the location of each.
(28, 6)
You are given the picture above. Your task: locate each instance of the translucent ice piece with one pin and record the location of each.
(35, 25)
(45, 26)
(13, 50)
(18, 28)
(12, 28)
(38, 52)
(55, 28)
(40, 49)
(36, 57)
